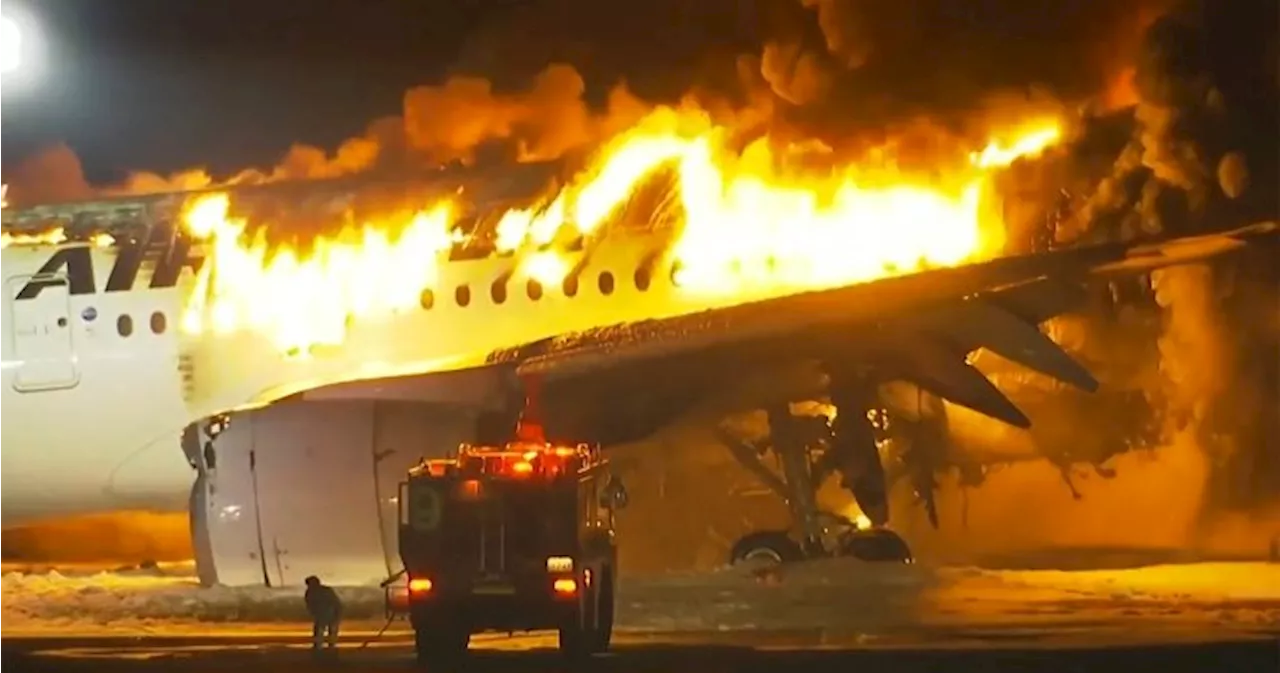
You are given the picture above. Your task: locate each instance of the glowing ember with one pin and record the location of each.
(746, 222)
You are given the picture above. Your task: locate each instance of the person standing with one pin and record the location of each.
(325, 609)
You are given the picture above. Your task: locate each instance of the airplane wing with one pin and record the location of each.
(620, 383)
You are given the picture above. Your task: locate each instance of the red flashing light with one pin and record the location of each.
(420, 585)
(522, 459)
(470, 489)
(565, 586)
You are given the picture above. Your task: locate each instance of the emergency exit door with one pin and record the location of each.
(41, 331)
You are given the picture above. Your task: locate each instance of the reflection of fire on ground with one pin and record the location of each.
(124, 537)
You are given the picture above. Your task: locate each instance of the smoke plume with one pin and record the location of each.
(1197, 152)
(439, 124)
(529, 82)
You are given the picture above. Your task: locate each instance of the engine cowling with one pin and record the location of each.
(309, 486)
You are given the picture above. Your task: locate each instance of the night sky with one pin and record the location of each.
(167, 84)
(163, 85)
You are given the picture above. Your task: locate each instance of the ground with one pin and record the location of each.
(834, 602)
(717, 653)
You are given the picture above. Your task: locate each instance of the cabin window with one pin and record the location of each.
(644, 276)
(427, 299)
(571, 286)
(535, 289)
(606, 283)
(124, 325)
(158, 323)
(462, 295)
(498, 291)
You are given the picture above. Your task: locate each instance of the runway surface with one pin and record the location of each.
(819, 616)
(674, 653)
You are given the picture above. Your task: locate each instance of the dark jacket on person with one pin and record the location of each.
(323, 603)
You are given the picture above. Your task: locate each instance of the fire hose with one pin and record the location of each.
(391, 615)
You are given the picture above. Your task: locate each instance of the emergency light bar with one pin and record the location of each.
(515, 460)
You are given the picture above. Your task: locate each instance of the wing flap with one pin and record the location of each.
(981, 322)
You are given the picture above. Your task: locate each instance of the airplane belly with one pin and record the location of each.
(72, 465)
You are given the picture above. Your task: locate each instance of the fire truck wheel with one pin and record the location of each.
(765, 546)
(579, 634)
(604, 612)
(442, 642)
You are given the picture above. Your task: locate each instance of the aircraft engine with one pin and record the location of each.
(309, 487)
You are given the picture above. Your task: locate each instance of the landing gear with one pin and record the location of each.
(873, 545)
(771, 547)
(809, 449)
(878, 545)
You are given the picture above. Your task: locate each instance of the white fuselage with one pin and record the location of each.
(92, 413)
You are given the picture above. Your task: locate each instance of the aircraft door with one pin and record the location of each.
(41, 331)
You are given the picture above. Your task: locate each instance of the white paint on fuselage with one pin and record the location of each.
(110, 441)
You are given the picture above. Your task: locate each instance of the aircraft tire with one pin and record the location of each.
(876, 545)
(603, 633)
(771, 546)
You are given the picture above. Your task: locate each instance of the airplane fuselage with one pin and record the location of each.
(100, 380)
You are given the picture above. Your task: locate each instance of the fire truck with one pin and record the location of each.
(510, 538)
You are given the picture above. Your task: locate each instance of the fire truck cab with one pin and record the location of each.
(512, 538)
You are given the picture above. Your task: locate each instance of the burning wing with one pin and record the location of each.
(621, 383)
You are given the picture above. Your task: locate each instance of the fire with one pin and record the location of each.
(50, 237)
(748, 224)
(303, 300)
(995, 154)
(53, 237)
(745, 221)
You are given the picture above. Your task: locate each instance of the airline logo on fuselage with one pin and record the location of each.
(170, 254)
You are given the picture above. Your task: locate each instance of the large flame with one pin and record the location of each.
(746, 221)
(302, 300)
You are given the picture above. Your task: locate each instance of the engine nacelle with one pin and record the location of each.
(306, 487)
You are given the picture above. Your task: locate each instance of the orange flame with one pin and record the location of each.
(306, 300)
(747, 222)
